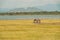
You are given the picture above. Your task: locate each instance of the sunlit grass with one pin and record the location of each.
(27, 30)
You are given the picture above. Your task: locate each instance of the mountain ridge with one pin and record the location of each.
(48, 7)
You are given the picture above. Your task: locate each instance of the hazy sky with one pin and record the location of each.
(25, 3)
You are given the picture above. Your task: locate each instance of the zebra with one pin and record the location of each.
(37, 21)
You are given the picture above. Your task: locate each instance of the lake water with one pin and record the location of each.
(29, 17)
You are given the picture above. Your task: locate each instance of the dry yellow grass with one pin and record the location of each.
(27, 30)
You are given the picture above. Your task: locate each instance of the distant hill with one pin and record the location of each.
(29, 9)
(48, 7)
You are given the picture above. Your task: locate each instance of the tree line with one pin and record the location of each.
(31, 13)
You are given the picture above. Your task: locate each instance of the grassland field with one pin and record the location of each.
(48, 29)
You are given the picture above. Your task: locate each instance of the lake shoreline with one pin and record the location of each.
(6, 17)
(31, 20)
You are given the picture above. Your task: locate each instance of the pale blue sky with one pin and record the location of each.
(8, 4)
